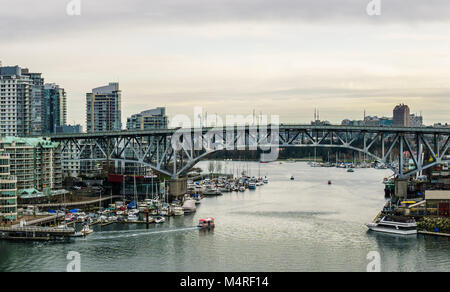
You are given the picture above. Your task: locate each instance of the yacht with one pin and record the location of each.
(390, 226)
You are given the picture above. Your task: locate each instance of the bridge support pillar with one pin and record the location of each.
(177, 188)
(401, 188)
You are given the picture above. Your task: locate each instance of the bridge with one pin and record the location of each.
(175, 151)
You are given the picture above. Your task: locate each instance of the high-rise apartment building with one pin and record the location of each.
(416, 120)
(54, 107)
(401, 116)
(21, 102)
(36, 102)
(16, 92)
(103, 109)
(149, 119)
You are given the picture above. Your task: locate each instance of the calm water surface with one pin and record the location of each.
(300, 225)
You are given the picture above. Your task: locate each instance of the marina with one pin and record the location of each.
(281, 226)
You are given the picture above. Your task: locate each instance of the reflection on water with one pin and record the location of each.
(300, 225)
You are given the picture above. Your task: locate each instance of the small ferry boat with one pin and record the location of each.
(206, 223)
(395, 227)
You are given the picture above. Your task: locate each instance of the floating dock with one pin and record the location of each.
(36, 233)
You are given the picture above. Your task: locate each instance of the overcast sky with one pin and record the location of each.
(282, 57)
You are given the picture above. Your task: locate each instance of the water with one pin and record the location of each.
(300, 225)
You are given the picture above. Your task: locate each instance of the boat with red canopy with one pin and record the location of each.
(206, 223)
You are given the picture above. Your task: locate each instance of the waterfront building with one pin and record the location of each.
(103, 109)
(8, 191)
(149, 119)
(35, 162)
(54, 107)
(401, 116)
(438, 200)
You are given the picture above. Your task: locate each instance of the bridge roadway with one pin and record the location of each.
(153, 148)
(282, 127)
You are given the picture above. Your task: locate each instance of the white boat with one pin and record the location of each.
(266, 180)
(132, 218)
(159, 219)
(189, 206)
(242, 189)
(394, 227)
(178, 211)
(86, 230)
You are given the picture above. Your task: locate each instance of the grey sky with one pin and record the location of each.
(285, 57)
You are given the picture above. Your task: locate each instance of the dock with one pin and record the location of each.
(73, 204)
(433, 233)
(35, 233)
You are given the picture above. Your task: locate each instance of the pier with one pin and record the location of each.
(35, 233)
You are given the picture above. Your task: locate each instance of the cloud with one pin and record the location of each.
(24, 18)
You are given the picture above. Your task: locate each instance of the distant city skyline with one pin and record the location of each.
(233, 57)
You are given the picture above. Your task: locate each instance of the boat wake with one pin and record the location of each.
(134, 233)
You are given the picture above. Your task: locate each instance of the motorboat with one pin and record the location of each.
(350, 170)
(212, 192)
(207, 223)
(86, 230)
(132, 218)
(252, 185)
(292, 178)
(178, 211)
(189, 206)
(159, 219)
(242, 189)
(197, 198)
(386, 225)
(265, 180)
